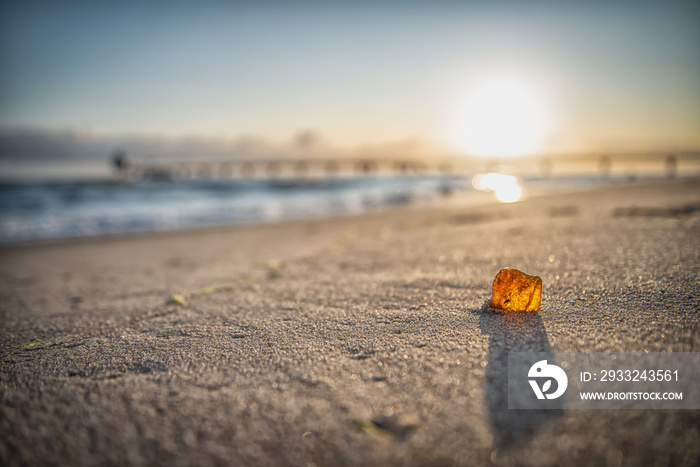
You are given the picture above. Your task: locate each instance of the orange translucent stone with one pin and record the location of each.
(514, 290)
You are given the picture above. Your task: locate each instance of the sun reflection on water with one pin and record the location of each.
(505, 187)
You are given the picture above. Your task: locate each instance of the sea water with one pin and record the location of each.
(31, 211)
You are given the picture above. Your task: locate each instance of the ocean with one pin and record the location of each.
(36, 211)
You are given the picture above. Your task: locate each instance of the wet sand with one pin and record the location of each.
(348, 341)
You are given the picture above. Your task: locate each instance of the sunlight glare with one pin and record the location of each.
(505, 187)
(502, 117)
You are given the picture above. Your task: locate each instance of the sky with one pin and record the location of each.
(579, 76)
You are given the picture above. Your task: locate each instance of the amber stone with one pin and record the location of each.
(514, 290)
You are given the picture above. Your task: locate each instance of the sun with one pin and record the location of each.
(501, 117)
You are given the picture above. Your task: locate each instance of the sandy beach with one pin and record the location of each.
(347, 341)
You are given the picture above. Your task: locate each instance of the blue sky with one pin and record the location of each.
(613, 74)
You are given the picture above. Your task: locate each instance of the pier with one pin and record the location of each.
(630, 165)
(281, 168)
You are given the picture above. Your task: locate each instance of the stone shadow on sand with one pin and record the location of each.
(511, 332)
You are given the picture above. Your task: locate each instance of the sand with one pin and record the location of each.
(347, 341)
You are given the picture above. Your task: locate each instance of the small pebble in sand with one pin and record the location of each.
(514, 290)
(177, 300)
